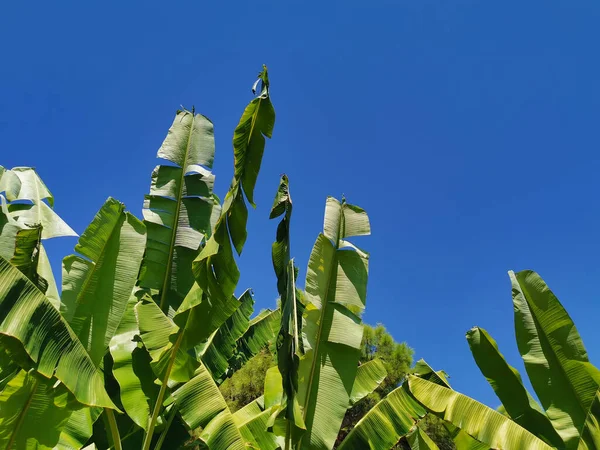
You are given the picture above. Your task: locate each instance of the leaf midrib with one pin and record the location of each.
(163, 295)
(319, 331)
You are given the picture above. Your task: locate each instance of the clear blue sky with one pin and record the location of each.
(467, 129)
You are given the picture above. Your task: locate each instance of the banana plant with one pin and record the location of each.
(563, 378)
(336, 287)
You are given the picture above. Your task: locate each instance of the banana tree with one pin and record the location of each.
(563, 378)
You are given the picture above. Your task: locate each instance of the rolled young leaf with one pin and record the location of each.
(506, 382)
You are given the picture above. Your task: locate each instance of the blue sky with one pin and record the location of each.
(468, 130)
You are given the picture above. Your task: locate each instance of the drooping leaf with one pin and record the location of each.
(8, 231)
(386, 423)
(215, 268)
(38, 212)
(222, 346)
(98, 284)
(506, 382)
(10, 183)
(262, 331)
(336, 287)
(255, 432)
(462, 440)
(368, 378)
(556, 361)
(481, 422)
(256, 123)
(78, 428)
(418, 440)
(178, 210)
(201, 404)
(39, 336)
(27, 253)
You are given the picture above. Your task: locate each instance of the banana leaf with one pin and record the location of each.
(481, 422)
(556, 361)
(336, 286)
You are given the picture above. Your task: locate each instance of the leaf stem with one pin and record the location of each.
(163, 435)
(114, 429)
(161, 394)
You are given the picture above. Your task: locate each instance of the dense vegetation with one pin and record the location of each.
(146, 346)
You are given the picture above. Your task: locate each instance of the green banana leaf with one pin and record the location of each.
(33, 189)
(10, 183)
(386, 423)
(368, 378)
(12, 238)
(40, 338)
(131, 366)
(178, 210)
(556, 361)
(506, 382)
(78, 428)
(201, 404)
(250, 410)
(476, 419)
(223, 344)
(215, 268)
(255, 432)
(336, 287)
(8, 231)
(418, 440)
(262, 331)
(289, 349)
(256, 123)
(162, 338)
(462, 440)
(98, 284)
(33, 412)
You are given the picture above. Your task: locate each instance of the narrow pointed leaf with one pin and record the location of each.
(98, 284)
(506, 382)
(368, 378)
(336, 287)
(37, 333)
(386, 423)
(555, 358)
(476, 419)
(178, 210)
